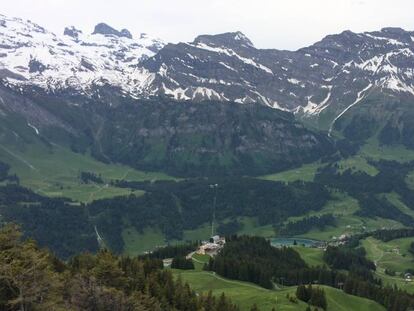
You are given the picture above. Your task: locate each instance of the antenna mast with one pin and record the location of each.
(215, 186)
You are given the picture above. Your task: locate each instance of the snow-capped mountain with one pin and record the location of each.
(331, 76)
(31, 55)
(228, 67)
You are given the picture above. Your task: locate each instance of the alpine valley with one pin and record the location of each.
(120, 141)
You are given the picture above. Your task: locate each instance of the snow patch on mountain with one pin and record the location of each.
(360, 96)
(386, 40)
(395, 84)
(232, 53)
(75, 60)
(224, 67)
(293, 81)
(34, 128)
(313, 108)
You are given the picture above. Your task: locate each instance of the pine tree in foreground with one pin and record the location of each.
(33, 279)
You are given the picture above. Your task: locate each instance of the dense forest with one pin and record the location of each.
(34, 279)
(386, 235)
(314, 296)
(229, 228)
(306, 224)
(181, 262)
(254, 259)
(352, 260)
(171, 251)
(344, 258)
(369, 190)
(177, 206)
(56, 223)
(68, 228)
(89, 177)
(4, 173)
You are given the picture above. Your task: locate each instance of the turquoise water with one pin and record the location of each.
(278, 242)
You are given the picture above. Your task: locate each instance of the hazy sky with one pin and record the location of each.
(282, 24)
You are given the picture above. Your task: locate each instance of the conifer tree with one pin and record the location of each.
(27, 272)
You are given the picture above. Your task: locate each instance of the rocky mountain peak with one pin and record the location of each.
(346, 38)
(105, 29)
(394, 30)
(126, 33)
(400, 35)
(228, 39)
(72, 32)
(33, 56)
(327, 77)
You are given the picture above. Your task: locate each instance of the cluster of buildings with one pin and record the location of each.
(211, 247)
(338, 241)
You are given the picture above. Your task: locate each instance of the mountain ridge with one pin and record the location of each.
(32, 56)
(184, 139)
(224, 67)
(321, 84)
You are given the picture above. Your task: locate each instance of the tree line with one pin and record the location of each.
(88, 177)
(186, 205)
(253, 259)
(386, 235)
(181, 262)
(68, 228)
(369, 190)
(306, 224)
(34, 279)
(4, 173)
(314, 296)
(57, 223)
(171, 251)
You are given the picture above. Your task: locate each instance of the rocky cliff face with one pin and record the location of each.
(209, 139)
(325, 79)
(78, 83)
(183, 139)
(328, 77)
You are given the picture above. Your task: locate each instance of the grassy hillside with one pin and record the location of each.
(137, 243)
(312, 256)
(241, 293)
(410, 180)
(343, 207)
(357, 163)
(373, 150)
(54, 171)
(395, 199)
(246, 294)
(305, 172)
(392, 255)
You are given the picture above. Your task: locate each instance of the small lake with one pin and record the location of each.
(278, 242)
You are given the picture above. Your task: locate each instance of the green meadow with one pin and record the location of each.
(246, 294)
(54, 172)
